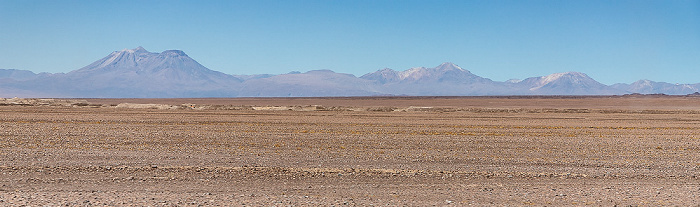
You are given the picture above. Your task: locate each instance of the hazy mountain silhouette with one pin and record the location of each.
(16, 75)
(447, 79)
(569, 83)
(312, 83)
(139, 73)
(651, 87)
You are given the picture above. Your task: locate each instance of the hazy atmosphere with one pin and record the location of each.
(611, 41)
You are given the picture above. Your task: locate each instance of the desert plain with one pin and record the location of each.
(396, 151)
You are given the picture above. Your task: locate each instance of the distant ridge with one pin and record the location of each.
(138, 73)
(446, 72)
(569, 83)
(651, 87)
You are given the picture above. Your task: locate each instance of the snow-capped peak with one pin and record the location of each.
(448, 66)
(386, 70)
(411, 72)
(514, 80)
(575, 76)
(568, 78)
(445, 72)
(135, 50)
(419, 72)
(644, 82)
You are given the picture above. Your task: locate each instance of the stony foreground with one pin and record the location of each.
(262, 152)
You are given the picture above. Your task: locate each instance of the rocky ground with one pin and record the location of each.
(351, 151)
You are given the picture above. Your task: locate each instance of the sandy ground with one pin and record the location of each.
(484, 151)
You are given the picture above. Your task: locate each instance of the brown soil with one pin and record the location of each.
(355, 151)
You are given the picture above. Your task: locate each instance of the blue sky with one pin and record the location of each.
(612, 41)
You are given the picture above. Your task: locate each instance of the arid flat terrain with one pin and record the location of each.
(397, 151)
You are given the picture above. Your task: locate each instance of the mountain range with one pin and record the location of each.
(138, 73)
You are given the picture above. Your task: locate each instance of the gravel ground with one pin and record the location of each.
(366, 152)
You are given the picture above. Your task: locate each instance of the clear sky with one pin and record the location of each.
(612, 41)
